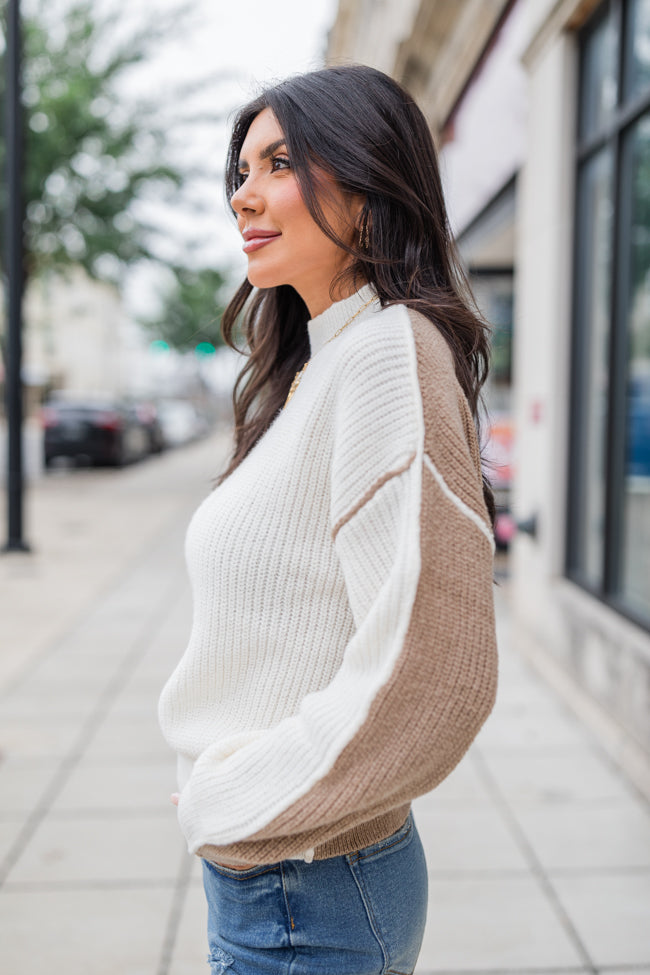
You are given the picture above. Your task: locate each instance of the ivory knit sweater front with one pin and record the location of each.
(342, 655)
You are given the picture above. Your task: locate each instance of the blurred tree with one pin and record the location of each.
(191, 309)
(92, 156)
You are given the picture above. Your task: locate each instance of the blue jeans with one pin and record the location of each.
(358, 914)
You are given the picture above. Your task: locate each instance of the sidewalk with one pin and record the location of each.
(538, 851)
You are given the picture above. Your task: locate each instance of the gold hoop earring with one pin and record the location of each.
(364, 237)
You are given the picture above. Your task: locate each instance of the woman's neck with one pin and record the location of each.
(320, 299)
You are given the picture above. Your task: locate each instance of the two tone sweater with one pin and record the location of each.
(342, 655)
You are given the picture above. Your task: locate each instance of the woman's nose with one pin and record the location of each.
(246, 199)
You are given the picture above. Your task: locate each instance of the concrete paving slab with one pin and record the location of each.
(522, 691)
(466, 840)
(115, 787)
(138, 699)
(83, 669)
(529, 728)
(574, 837)
(110, 624)
(190, 952)
(85, 655)
(96, 640)
(40, 738)
(512, 667)
(150, 674)
(553, 778)
(39, 699)
(501, 924)
(163, 653)
(129, 737)
(611, 913)
(153, 676)
(86, 529)
(59, 607)
(145, 685)
(22, 784)
(9, 830)
(87, 850)
(171, 640)
(119, 619)
(463, 786)
(83, 932)
(513, 971)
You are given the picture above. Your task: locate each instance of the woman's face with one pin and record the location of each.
(283, 243)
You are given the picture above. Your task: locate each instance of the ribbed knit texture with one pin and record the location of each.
(342, 655)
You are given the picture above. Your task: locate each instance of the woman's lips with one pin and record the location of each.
(255, 241)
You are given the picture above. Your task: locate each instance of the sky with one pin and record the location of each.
(248, 45)
(257, 38)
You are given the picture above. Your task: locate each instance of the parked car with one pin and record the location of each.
(102, 432)
(147, 414)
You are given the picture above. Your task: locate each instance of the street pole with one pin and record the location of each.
(14, 263)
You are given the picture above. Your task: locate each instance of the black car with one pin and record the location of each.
(97, 432)
(147, 414)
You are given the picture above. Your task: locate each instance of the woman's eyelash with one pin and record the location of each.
(280, 161)
(277, 162)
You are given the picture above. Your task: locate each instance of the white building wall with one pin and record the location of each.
(579, 641)
(75, 334)
(376, 29)
(543, 327)
(488, 137)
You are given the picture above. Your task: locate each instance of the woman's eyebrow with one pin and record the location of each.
(265, 153)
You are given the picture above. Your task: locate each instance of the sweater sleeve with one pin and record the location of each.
(418, 675)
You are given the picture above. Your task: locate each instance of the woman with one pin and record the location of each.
(342, 656)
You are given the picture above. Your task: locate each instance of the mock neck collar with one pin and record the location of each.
(323, 326)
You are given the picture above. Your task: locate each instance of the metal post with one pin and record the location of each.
(15, 542)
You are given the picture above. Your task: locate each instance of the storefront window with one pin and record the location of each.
(494, 293)
(598, 93)
(637, 53)
(609, 505)
(595, 258)
(636, 563)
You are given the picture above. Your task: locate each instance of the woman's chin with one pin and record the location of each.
(263, 279)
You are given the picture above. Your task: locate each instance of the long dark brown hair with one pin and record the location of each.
(364, 130)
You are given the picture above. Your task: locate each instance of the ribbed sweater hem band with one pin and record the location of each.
(365, 834)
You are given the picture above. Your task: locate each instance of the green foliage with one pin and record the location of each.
(191, 309)
(90, 155)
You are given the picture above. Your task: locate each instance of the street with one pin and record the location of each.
(538, 849)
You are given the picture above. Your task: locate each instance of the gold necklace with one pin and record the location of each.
(298, 376)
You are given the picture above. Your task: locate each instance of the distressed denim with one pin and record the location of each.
(358, 914)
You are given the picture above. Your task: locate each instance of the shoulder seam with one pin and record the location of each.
(460, 504)
(369, 494)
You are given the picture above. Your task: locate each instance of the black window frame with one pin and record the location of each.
(615, 135)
